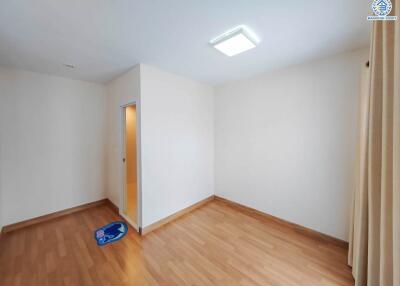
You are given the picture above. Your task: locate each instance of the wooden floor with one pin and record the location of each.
(217, 244)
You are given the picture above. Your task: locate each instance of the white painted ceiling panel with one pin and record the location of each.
(104, 38)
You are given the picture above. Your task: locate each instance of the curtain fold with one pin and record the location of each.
(374, 242)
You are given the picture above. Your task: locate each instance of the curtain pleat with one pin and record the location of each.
(374, 242)
(396, 152)
(358, 242)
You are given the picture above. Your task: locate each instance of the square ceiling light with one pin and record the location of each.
(235, 41)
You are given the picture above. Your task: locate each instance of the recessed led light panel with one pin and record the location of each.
(234, 41)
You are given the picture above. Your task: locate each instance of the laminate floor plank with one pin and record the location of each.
(216, 244)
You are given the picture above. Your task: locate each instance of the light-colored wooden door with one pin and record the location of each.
(131, 164)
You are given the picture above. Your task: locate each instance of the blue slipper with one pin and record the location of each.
(110, 233)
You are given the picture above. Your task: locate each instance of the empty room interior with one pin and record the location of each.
(186, 142)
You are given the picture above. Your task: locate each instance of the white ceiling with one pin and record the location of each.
(104, 38)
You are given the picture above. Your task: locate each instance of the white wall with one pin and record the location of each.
(52, 136)
(121, 91)
(285, 141)
(176, 140)
(3, 91)
(177, 143)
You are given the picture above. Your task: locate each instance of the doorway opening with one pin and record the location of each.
(130, 165)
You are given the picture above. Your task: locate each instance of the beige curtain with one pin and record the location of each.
(374, 249)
